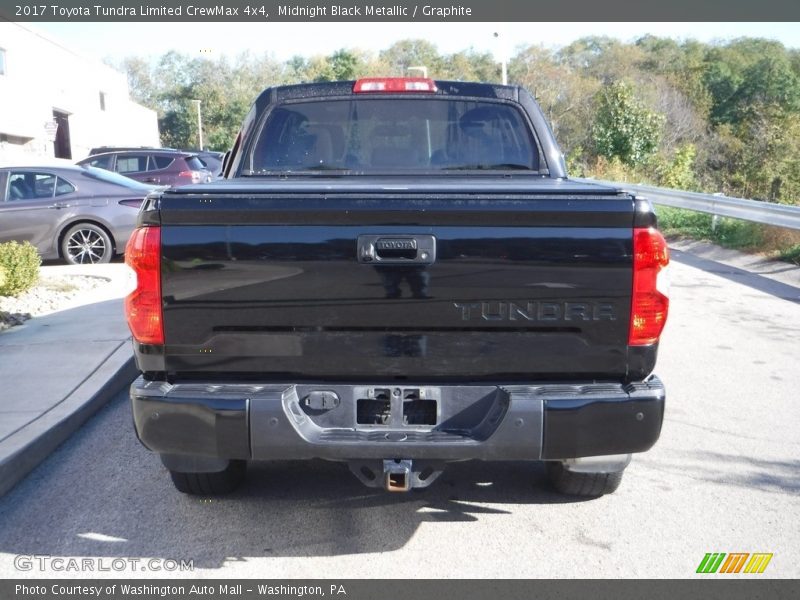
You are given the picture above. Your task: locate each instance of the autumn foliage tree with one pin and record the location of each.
(717, 117)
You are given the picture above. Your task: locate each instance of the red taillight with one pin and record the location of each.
(195, 176)
(649, 303)
(394, 84)
(143, 305)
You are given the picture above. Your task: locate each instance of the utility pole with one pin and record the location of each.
(199, 125)
(503, 61)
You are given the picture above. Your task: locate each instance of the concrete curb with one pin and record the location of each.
(755, 264)
(763, 274)
(24, 450)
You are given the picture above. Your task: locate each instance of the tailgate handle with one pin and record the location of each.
(397, 249)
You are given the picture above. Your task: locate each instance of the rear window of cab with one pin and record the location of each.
(394, 135)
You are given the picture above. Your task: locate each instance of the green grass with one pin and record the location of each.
(780, 243)
(676, 222)
(791, 254)
(730, 233)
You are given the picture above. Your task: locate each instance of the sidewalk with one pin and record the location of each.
(57, 370)
(781, 272)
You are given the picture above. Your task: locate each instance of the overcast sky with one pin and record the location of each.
(283, 40)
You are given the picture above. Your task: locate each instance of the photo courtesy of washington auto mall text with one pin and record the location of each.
(176, 590)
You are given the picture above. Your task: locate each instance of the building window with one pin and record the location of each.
(2, 61)
(102, 100)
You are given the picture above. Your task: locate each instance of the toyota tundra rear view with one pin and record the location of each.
(396, 274)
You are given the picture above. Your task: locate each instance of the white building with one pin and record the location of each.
(42, 84)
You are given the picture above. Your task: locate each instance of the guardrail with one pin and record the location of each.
(768, 213)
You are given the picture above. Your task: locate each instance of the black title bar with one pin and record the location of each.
(419, 589)
(399, 10)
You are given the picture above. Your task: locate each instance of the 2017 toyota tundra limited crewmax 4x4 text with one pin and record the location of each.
(396, 274)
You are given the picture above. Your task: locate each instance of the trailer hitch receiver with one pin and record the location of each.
(397, 475)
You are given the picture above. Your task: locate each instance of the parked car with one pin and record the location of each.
(81, 214)
(157, 166)
(213, 161)
(104, 149)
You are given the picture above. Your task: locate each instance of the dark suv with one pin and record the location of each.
(155, 166)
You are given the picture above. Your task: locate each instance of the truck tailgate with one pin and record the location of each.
(519, 283)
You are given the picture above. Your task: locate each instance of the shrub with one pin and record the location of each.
(679, 172)
(20, 264)
(684, 223)
(624, 127)
(791, 255)
(731, 233)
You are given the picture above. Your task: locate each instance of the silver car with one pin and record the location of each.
(81, 214)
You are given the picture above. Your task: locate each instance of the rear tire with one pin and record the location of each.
(582, 484)
(85, 244)
(211, 484)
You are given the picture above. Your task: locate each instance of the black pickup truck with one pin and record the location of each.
(397, 273)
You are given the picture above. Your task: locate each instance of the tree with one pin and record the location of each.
(769, 82)
(603, 58)
(624, 128)
(564, 93)
(225, 88)
(679, 173)
(344, 65)
(681, 65)
(142, 87)
(716, 117)
(683, 124)
(470, 65)
(740, 71)
(770, 162)
(411, 53)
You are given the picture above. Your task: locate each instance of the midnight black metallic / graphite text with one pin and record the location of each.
(313, 11)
